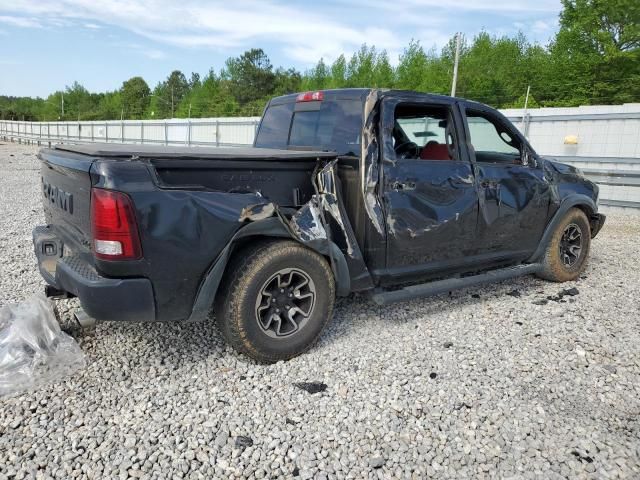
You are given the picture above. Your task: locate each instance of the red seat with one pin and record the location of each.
(435, 151)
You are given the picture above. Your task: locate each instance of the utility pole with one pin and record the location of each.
(526, 98)
(62, 103)
(524, 127)
(455, 66)
(171, 101)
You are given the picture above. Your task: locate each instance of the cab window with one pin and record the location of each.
(274, 128)
(332, 124)
(491, 141)
(424, 132)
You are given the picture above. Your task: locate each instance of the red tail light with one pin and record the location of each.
(113, 226)
(310, 97)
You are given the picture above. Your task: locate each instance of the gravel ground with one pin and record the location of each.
(511, 380)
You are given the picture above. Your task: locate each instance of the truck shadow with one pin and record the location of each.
(181, 344)
(356, 315)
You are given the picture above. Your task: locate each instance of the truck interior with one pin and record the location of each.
(423, 132)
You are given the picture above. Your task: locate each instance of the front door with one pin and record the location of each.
(429, 194)
(513, 192)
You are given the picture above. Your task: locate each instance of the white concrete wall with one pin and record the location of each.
(602, 131)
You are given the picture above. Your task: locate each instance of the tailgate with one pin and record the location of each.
(66, 194)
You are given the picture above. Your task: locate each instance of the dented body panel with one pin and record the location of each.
(431, 207)
(377, 219)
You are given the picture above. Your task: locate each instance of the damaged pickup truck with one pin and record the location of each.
(393, 193)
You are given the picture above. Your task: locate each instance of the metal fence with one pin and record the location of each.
(603, 141)
(196, 132)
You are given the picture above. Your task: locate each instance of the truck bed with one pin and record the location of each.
(282, 176)
(188, 203)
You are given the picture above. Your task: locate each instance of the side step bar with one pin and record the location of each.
(385, 297)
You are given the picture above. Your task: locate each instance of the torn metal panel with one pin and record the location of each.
(257, 212)
(330, 205)
(307, 225)
(324, 218)
(369, 167)
(326, 181)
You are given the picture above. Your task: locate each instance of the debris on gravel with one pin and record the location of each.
(312, 387)
(243, 442)
(562, 293)
(555, 397)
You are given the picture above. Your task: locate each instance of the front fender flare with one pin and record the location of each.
(570, 201)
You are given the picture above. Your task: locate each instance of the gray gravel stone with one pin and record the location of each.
(509, 400)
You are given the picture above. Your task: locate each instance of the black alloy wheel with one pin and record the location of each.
(285, 302)
(571, 245)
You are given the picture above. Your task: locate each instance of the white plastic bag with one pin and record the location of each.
(33, 349)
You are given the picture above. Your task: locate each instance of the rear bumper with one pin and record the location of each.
(596, 221)
(103, 298)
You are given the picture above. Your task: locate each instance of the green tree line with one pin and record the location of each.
(593, 59)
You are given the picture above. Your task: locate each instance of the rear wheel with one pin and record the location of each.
(276, 300)
(566, 254)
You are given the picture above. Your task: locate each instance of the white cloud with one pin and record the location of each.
(197, 23)
(420, 8)
(303, 33)
(23, 22)
(543, 26)
(92, 26)
(153, 54)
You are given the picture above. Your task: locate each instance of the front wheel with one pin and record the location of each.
(276, 300)
(566, 254)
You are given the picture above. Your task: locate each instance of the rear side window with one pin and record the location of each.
(334, 126)
(274, 129)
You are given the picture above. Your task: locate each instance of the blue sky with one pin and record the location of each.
(47, 45)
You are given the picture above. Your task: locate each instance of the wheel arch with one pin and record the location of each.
(583, 202)
(264, 230)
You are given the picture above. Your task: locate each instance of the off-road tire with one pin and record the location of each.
(236, 308)
(554, 268)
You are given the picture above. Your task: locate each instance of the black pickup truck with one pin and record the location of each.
(394, 193)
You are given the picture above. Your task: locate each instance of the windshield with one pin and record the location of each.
(335, 126)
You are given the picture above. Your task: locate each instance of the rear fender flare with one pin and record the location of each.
(267, 228)
(574, 200)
